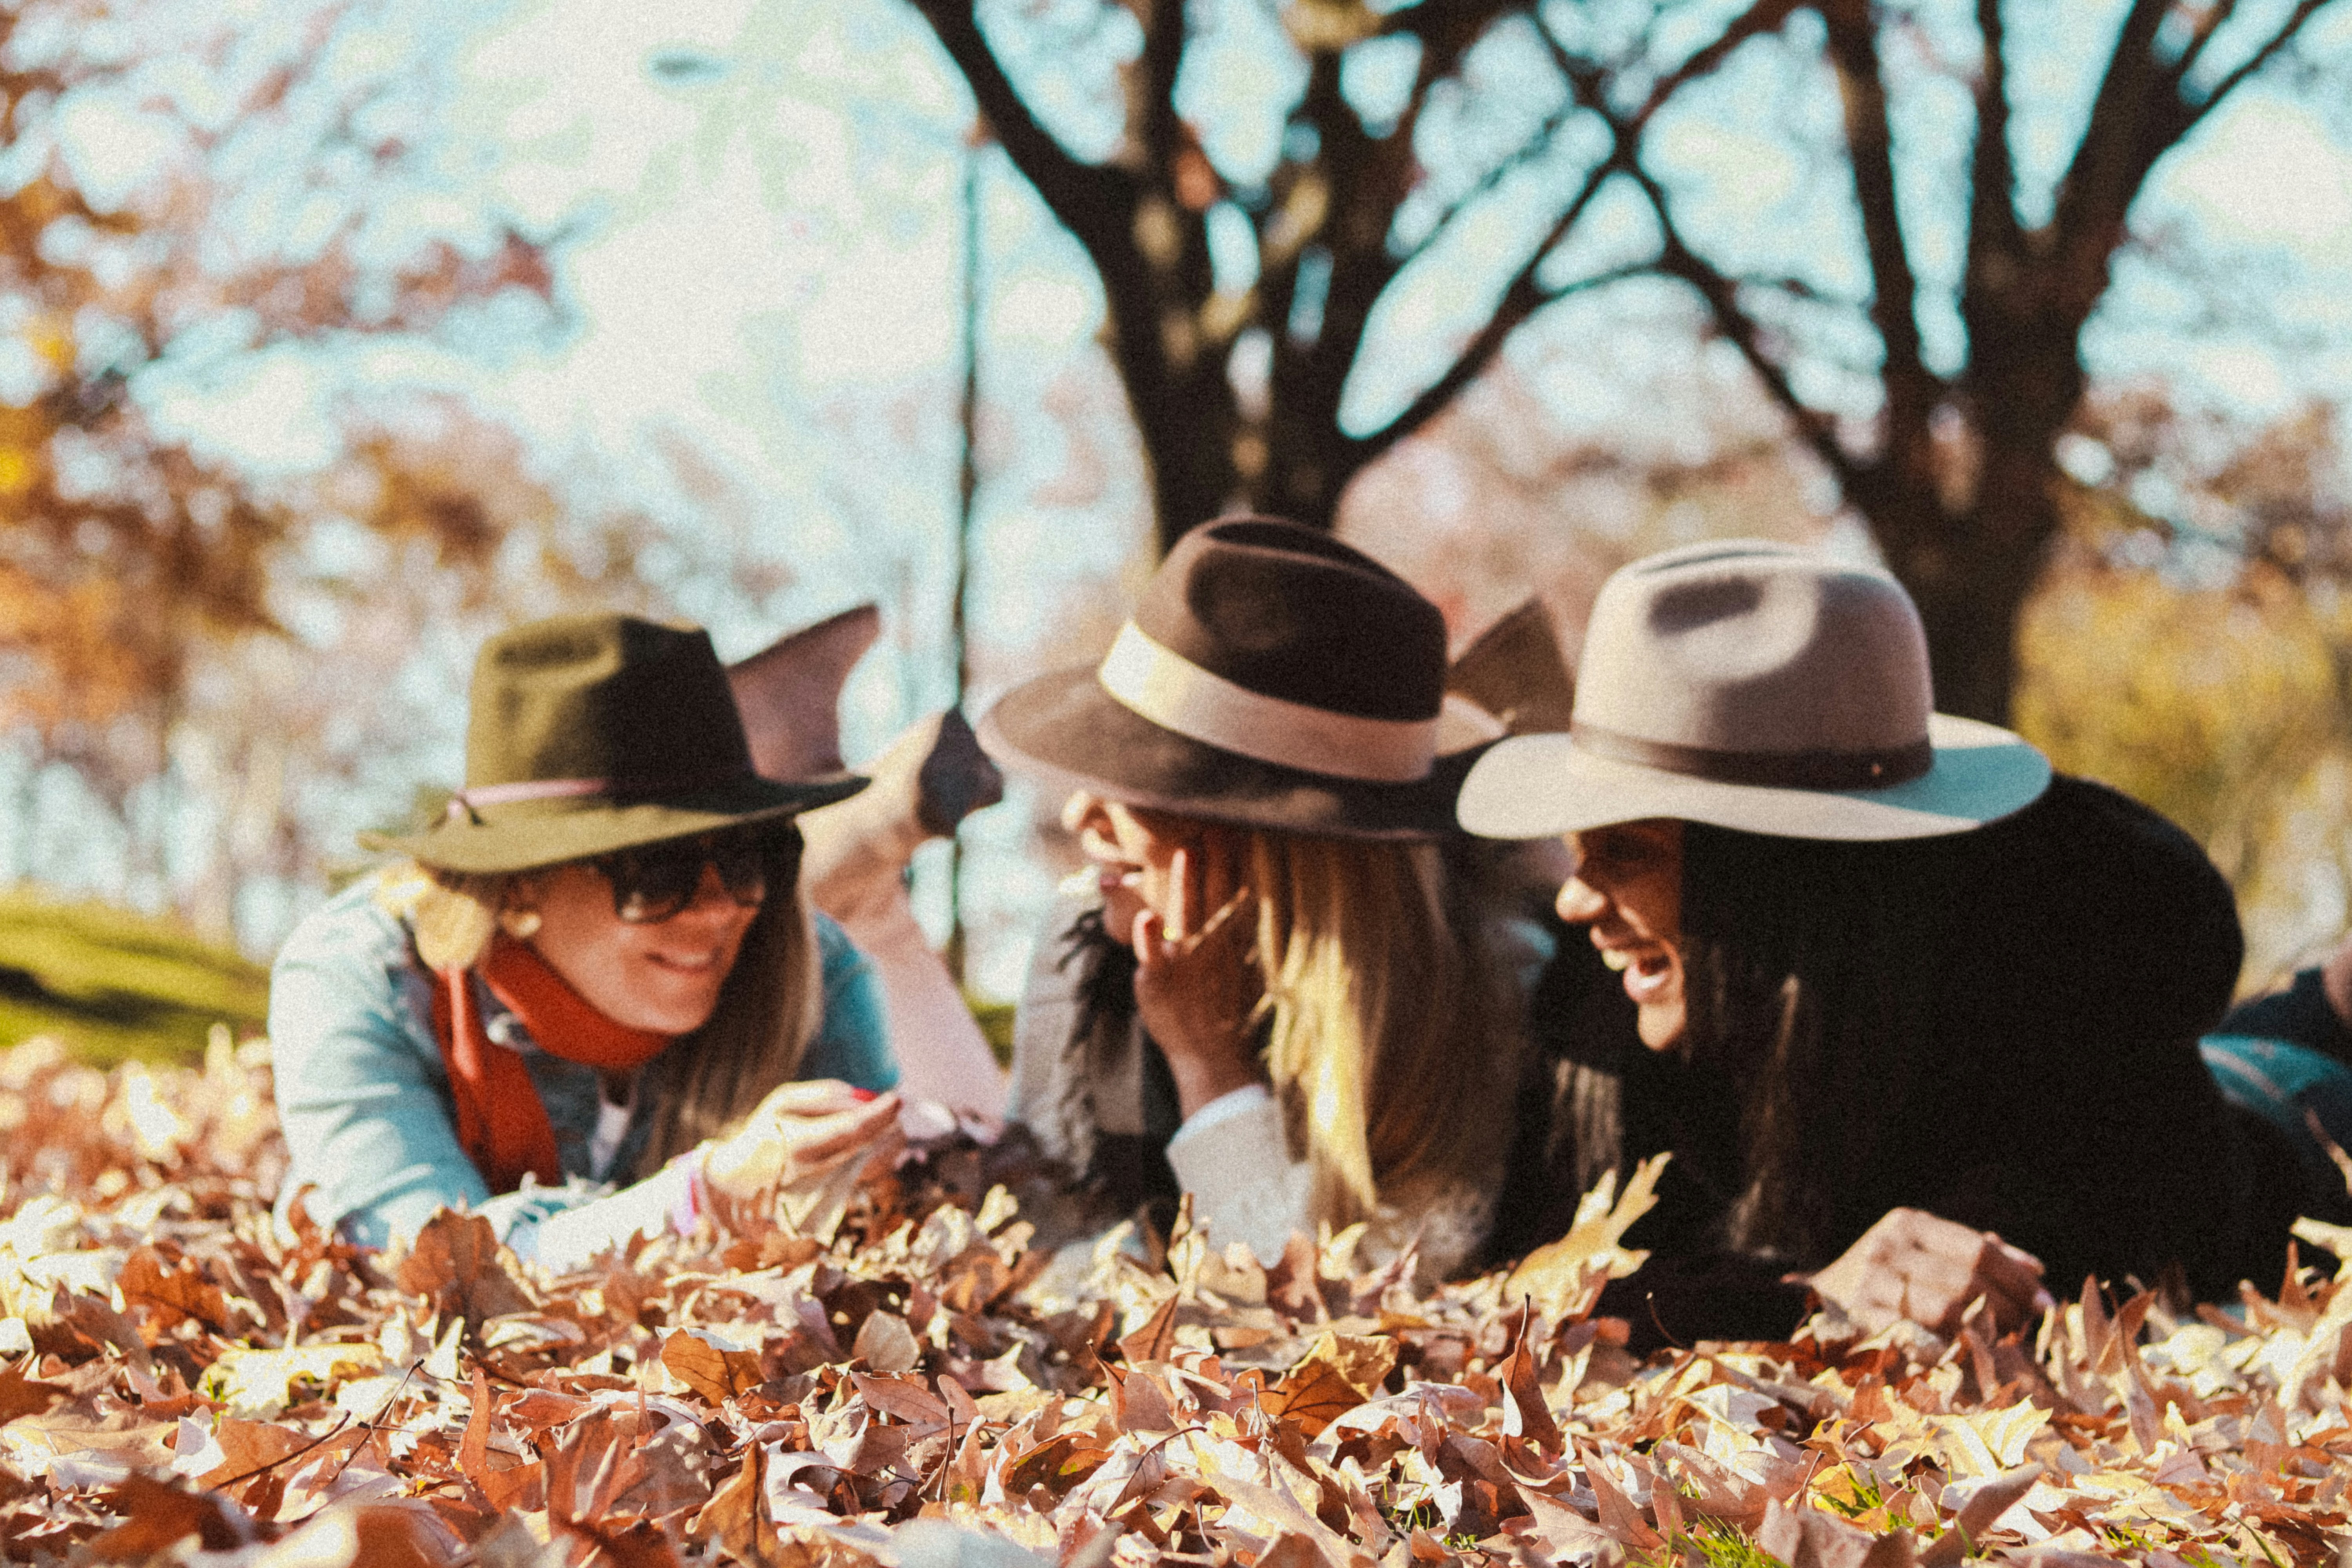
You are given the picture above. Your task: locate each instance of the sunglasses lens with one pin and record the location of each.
(650, 886)
(743, 871)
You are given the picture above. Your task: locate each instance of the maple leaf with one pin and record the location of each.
(1339, 1372)
(1565, 1277)
(22, 1395)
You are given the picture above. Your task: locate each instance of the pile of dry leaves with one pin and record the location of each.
(921, 1388)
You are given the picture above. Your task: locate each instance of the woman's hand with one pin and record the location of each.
(1913, 1265)
(1196, 986)
(802, 1130)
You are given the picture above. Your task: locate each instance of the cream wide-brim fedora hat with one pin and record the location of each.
(1761, 687)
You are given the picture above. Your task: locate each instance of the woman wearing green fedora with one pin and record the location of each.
(595, 970)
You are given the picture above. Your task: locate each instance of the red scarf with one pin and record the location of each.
(501, 1124)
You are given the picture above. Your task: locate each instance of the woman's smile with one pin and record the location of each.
(1628, 889)
(662, 975)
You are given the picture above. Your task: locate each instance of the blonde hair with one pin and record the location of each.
(706, 1081)
(1390, 1044)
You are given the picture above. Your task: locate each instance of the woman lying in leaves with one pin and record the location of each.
(596, 967)
(1273, 996)
(1921, 1023)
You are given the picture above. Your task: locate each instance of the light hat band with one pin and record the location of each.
(1176, 694)
(463, 801)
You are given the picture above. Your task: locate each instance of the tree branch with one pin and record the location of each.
(1523, 296)
(1910, 389)
(1993, 229)
(2208, 24)
(2100, 180)
(1162, 132)
(1722, 297)
(2302, 14)
(1095, 204)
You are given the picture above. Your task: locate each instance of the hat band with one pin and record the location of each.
(1174, 693)
(1768, 770)
(462, 803)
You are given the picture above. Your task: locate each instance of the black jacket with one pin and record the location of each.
(2086, 944)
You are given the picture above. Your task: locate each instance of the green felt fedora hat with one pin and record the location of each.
(591, 733)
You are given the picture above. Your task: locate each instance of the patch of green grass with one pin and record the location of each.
(1712, 1543)
(114, 985)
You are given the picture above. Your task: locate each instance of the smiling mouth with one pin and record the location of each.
(686, 964)
(1647, 971)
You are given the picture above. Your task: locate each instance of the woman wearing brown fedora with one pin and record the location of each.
(1272, 995)
(595, 969)
(1922, 1024)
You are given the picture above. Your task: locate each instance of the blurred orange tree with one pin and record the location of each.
(128, 555)
(2192, 644)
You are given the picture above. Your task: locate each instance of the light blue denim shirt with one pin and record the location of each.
(364, 1098)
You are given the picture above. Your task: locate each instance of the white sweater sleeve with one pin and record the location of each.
(566, 1241)
(1232, 1156)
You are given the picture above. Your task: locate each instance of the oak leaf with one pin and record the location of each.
(176, 1294)
(457, 1264)
(716, 1371)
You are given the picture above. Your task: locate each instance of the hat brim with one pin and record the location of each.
(1065, 730)
(528, 835)
(1536, 787)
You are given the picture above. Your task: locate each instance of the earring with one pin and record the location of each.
(520, 924)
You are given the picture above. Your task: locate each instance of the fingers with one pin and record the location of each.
(1150, 942)
(813, 1097)
(1226, 916)
(814, 1141)
(1184, 898)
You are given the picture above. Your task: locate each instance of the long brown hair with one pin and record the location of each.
(705, 1083)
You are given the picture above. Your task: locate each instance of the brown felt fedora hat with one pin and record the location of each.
(1761, 687)
(1271, 677)
(591, 734)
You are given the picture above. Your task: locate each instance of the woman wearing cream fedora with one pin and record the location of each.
(590, 1002)
(1272, 995)
(1921, 1021)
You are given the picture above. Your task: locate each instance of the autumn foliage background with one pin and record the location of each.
(333, 335)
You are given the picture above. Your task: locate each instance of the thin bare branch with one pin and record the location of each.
(2294, 25)
(1095, 204)
(1911, 389)
(1721, 294)
(2208, 23)
(1993, 229)
(1524, 295)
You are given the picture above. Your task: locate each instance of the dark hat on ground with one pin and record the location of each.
(1272, 677)
(596, 732)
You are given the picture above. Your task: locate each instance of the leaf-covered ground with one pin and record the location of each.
(922, 1388)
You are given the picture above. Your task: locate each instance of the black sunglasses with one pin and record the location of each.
(655, 883)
